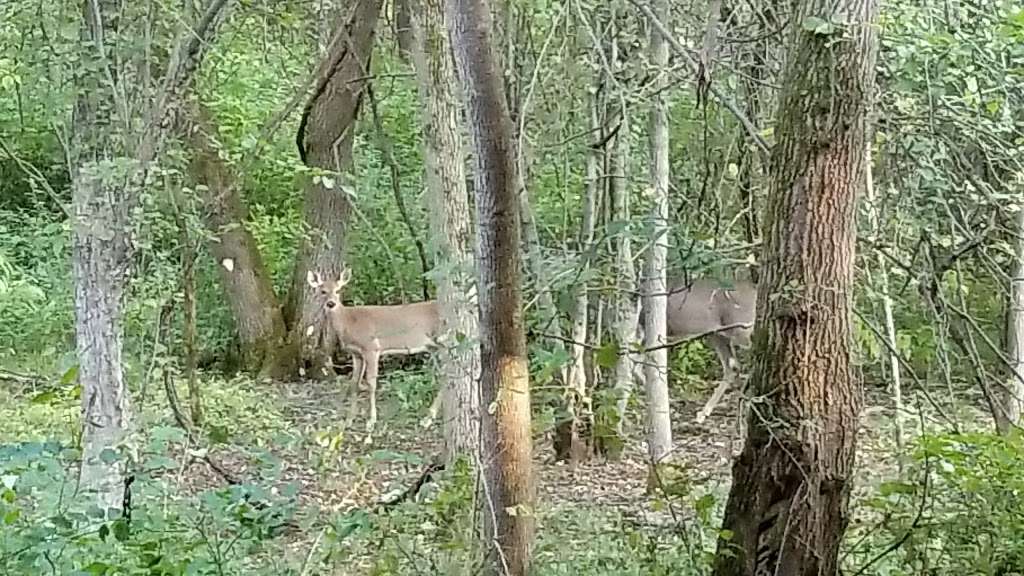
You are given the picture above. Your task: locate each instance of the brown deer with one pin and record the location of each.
(723, 317)
(369, 332)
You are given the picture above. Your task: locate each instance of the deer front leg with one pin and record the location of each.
(371, 360)
(428, 420)
(723, 349)
(358, 369)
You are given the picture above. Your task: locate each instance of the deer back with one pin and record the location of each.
(705, 305)
(404, 328)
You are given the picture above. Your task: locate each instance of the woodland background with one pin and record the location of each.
(268, 477)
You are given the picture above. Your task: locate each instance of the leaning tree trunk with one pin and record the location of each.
(1013, 394)
(659, 422)
(109, 167)
(244, 278)
(788, 505)
(508, 500)
(459, 357)
(325, 135)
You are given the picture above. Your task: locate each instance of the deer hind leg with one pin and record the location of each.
(358, 369)
(371, 360)
(723, 349)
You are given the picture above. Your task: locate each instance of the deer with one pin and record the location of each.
(722, 317)
(370, 332)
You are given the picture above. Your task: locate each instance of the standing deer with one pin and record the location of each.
(369, 332)
(725, 318)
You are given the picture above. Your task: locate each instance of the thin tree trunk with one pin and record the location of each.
(325, 136)
(243, 275)
(505, 381)
(659, 422)
(459, 357)
(788, 505)
(625, 317)
(1013, 401)
(573, 441)
(404, 36)
(875, 226)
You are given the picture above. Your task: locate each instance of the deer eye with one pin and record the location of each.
(324, 292)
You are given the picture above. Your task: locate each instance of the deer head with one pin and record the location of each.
(329, 290)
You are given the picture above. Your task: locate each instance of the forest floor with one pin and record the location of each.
(595, 518)
(337, 473)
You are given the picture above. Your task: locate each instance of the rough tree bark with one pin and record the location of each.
(243, 275)
(1013, 394)
(659, 423)
(788, 505)
(508, 500)
(459, 356)
(324, 139)
(110, 159)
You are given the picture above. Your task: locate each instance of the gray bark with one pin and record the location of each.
(452, 237)
(624, 309)
(1013, 396)
(659, 423)
(109, 160)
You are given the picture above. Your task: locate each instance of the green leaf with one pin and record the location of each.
(12, 516)
(816, 25)
(607, 355)
(109, 456)
(120, 528)
(69, 375)
(44, 397)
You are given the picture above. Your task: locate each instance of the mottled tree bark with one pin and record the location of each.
(1013, 393)
(324, 139)
(505, 381)
(110, 157)
(624, 308)
(452, 232)
(243, 275)
(788, 505)
(659, 422)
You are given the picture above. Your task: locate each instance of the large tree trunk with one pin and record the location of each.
(788, 505)
(247, 285)
(109, 165)
(1013, 394)
(505, 381)
(459, 357)
(325, 136)
(659, 422)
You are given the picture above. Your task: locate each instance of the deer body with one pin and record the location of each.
(725, 316)
(370, 332)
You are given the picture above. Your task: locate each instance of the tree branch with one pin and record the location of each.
(695, 67)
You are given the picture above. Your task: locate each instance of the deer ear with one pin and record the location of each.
(345, 276)
(313, 279)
